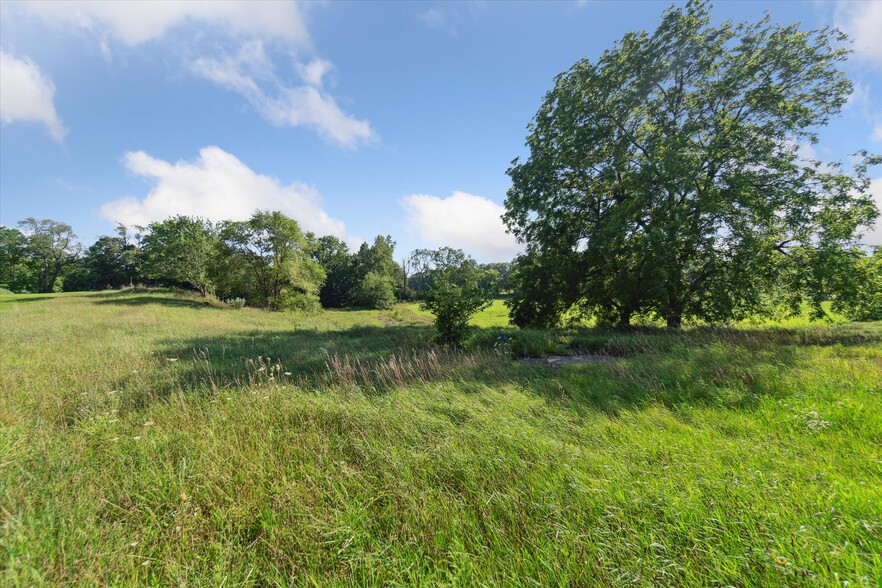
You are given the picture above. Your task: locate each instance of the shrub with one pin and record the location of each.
(375, 291)
(456, 294)
(236, 303)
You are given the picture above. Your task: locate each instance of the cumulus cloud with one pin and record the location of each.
(217, 186)
(251, 24)
(26, 94)
(461, 220)
(251, 73)
(137, 21)
(862, 21)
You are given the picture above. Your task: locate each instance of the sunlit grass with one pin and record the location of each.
(148, 438)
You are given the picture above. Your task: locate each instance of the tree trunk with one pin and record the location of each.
(675, 319)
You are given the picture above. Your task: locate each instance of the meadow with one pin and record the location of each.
(153, 438)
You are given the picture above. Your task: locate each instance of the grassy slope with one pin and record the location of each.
(743, 457)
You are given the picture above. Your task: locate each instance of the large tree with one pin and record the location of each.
(51, 247)
(271, 257)
(666, 178)
(16, 273)
(378, 277)
(180, 250)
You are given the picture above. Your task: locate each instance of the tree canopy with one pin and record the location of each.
(51, 246)
(180, 249)
(665, 178)
(268, 258)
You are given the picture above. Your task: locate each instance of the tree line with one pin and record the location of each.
(665, 181)
(266, 262)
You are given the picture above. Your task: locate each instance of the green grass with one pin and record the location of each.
(148, 438)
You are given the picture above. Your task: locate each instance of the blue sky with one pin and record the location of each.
(355, 118)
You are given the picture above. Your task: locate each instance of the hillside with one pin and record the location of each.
(148, 437)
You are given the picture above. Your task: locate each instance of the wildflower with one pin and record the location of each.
(171, 359)
(137, 437)
(287, 373)
(148, 423)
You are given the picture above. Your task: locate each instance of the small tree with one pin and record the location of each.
(456, 294)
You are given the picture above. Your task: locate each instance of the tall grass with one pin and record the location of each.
(149, 439)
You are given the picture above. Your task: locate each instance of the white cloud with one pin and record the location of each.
(251, 73)
(280, 24)
(216, 186)
(877, 133)
(862, 21)
(461, 220)
(134, 22)
(26, 94)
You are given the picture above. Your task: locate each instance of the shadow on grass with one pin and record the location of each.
(373, 360)
(130, 300)
(727, 368)
(16, 298)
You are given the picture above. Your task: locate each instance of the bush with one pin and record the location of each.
(236, 303)
(375, 291)
(299, 302)
(456, 295)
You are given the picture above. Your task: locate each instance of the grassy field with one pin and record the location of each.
(149, 438)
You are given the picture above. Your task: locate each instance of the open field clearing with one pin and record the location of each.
(150, 438)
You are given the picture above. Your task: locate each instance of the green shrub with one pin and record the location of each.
(375, 291)
(456, 294)
(236, 303)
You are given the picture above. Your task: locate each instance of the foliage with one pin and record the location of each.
(424, 264)
(375, 290)
(864, 302)
(51, 246)
(378, 258)
(110, 262)
(457, 293)
(333, 255)
(16, 273)
(268, 257)
(236, 303)
(498, 276)
(666, 179)
(179, 251)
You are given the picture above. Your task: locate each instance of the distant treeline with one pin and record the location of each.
(266, 261)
